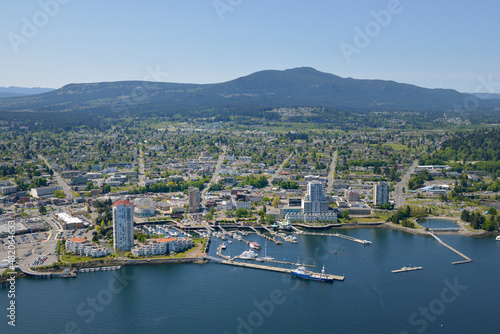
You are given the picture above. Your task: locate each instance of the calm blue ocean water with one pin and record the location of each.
(215, 298)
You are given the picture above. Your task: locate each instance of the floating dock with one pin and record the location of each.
(405, 269)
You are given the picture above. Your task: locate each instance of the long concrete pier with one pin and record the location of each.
(269, 268)
(343, 236)
(466, 258)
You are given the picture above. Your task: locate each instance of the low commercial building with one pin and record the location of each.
(284, 210)
(242, 205)
(311, 217)
(69, 222)
(8, 190)
(359, 209)
(44, 192)
(79, 180)
(77, 210)
(144, 207)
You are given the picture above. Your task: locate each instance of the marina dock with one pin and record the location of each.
(405, 269)
(276, 241)
(276, 269)
(466, 258)
(227, 261)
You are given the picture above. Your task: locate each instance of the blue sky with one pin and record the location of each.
(429, 43)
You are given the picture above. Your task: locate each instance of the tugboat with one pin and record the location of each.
(301, 272)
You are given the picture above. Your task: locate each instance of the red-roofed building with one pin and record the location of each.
(78, 240)
(123, 202)
(165, 240)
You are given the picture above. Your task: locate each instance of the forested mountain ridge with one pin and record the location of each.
(258, 91)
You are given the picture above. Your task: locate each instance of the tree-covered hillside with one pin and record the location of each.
(480, 146)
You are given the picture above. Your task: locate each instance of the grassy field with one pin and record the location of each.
(379, 217)
(75, 258)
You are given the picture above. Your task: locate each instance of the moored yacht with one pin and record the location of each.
(248, 255)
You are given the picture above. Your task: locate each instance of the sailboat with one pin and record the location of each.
(266, 258)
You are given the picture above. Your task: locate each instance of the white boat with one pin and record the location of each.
(223, 246)
(248, 255)
(254, 245)
(259, 259)
(497, 238)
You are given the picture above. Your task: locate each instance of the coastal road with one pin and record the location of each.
(329, 189)
(59, 179)
(398, 191)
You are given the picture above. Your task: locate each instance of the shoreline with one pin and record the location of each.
(199, 260)
(464, 231)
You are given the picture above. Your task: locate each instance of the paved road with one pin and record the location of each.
(398, 194)
(142, 177)
(215, 175)
(329, 189)
(60, 181)
(280, 168)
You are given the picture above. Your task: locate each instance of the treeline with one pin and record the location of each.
(7, 170)
(169, 187)
(488, 222)
(401, 216)
(417, 181)
(367, 163)
(480, 145)
(257, 182)
(287, 184)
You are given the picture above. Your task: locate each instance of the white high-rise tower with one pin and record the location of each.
(315, 200)
(123, 225)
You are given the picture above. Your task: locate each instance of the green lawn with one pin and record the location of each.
(75, 258)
